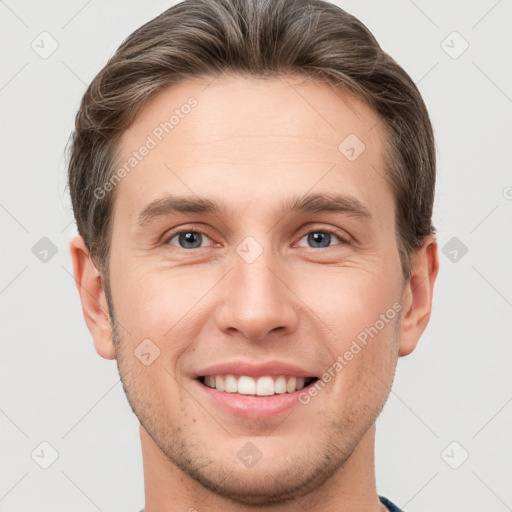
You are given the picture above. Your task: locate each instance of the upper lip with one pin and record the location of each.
(250, 369)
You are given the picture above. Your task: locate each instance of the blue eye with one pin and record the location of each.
(320, 238)
(188, 239)
(317, 239)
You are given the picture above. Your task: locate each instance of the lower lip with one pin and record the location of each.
(249, 406)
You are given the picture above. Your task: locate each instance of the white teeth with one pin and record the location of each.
(219, 383)
(262, 386)
(280, 385)
(291, 385)
(265, 386)
(246, 385)
(231, 384)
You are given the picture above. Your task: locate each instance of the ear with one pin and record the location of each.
(92, 295)
(417, 295)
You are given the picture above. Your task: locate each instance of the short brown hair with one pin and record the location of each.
(258, 38)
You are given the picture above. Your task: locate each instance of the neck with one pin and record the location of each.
(351, 487)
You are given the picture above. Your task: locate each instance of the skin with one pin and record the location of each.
(252, 144)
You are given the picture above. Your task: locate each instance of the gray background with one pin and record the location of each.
(456, 387)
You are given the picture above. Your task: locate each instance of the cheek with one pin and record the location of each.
(144, 295)
(360, 308)
(163, 306)
(349, 300)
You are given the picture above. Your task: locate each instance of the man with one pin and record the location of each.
(253, 184)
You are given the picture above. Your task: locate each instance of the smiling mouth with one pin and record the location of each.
(259, 386)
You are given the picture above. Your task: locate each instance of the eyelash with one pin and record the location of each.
(332, 231)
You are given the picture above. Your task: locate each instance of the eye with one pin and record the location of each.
(321, 238)
(188, 239)
(193, 239)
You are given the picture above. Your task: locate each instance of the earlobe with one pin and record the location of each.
(92, 296)
(417, 296)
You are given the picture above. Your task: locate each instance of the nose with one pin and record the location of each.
(256, 299)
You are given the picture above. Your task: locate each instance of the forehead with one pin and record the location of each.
(251, 140)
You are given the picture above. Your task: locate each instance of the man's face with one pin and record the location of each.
(255, 282)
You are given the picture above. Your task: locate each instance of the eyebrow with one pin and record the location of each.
(312, 203)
